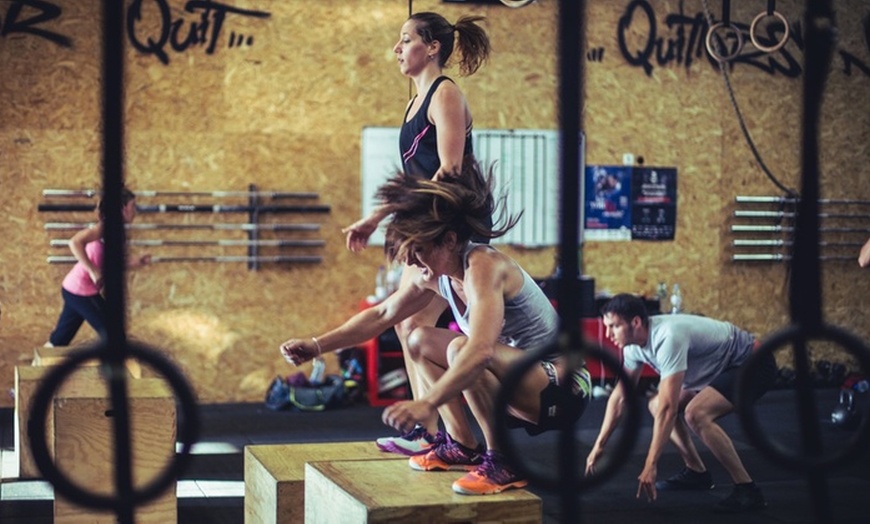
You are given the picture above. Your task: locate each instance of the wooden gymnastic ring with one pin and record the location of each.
(724, 58)
(778, 45)
(516, 3)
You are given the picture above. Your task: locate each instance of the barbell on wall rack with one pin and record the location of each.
(751, 242)
(58, 242)
(69, 259)
(191, 208)
(90, 193)
(743, 199)
(746, 228)
(243, 226)
(779, 257)
(741, 213)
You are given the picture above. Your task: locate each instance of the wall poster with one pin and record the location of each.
(653, 203)
(607, 213)
(630, 203)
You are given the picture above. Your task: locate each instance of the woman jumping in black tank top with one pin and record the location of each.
(435, 141)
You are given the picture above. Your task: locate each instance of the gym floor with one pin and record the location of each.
(212, 491)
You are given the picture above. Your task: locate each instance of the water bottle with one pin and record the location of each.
(662, 295)
(318, 368)
(394, 275)
(676, 300)
(381, 283)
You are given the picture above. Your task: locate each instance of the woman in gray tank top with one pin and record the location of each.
(501, 313)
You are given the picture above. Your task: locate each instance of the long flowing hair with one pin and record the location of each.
(424, 211)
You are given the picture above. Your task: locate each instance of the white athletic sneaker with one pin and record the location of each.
(415, 442)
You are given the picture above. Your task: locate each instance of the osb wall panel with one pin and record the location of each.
(283, 107)
(282, 110)
(680, 115)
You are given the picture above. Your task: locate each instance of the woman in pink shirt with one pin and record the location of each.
(81, 288)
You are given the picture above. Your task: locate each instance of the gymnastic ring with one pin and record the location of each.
(778, 45)
(187, 434)
(709, 41)
(516, 3)
(778, 453)
(618, 454)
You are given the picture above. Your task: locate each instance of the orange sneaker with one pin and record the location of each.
(493, 476)
(447, 456)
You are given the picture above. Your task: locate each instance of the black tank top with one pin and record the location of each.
(418, 142)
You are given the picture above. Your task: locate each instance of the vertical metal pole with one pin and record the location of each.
(571, 35)
(805, 288)
(114, 261)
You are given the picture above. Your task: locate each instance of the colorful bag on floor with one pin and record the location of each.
(306, 397)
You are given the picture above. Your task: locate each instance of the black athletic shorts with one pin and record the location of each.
(561, 406)
(756, 386)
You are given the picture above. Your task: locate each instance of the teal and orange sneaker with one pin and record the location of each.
(492, 476)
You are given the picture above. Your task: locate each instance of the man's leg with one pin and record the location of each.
(680, 436)
(701, 415)
(694, 475)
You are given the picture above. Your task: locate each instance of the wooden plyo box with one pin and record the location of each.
(53, 356)
(84, 449)
(27, 379)
(390, 491)
(275, 476)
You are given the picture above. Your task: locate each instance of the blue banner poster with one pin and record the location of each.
(653, 203)
(607, 208)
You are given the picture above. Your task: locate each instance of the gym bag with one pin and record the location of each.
(284, 395)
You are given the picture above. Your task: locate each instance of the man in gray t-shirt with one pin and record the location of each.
(698, 360)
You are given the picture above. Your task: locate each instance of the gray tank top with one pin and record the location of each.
(530, 320)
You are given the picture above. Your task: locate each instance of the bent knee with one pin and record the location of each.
(454, 347)
(653, 404)
(417, 342)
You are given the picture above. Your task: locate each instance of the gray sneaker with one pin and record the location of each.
(687, 480)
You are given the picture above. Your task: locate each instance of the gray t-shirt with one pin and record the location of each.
(530, 320)
(702, 347)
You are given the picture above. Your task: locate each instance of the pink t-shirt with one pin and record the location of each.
(78, 280)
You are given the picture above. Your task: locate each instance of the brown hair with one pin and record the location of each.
(424, 210)
(126, 197)
(473, 43)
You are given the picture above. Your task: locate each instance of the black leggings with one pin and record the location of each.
(76, 310)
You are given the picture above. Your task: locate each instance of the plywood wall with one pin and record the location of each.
(279, 101)
(680, 114)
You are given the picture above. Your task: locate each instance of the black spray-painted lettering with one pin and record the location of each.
(688, 43)
(13, 23)
(205, 31)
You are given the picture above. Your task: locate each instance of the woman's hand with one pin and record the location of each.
(594, 455)
(296, 351)
(140, 261)
(359, 232)
(96, 277)
(403, 416)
